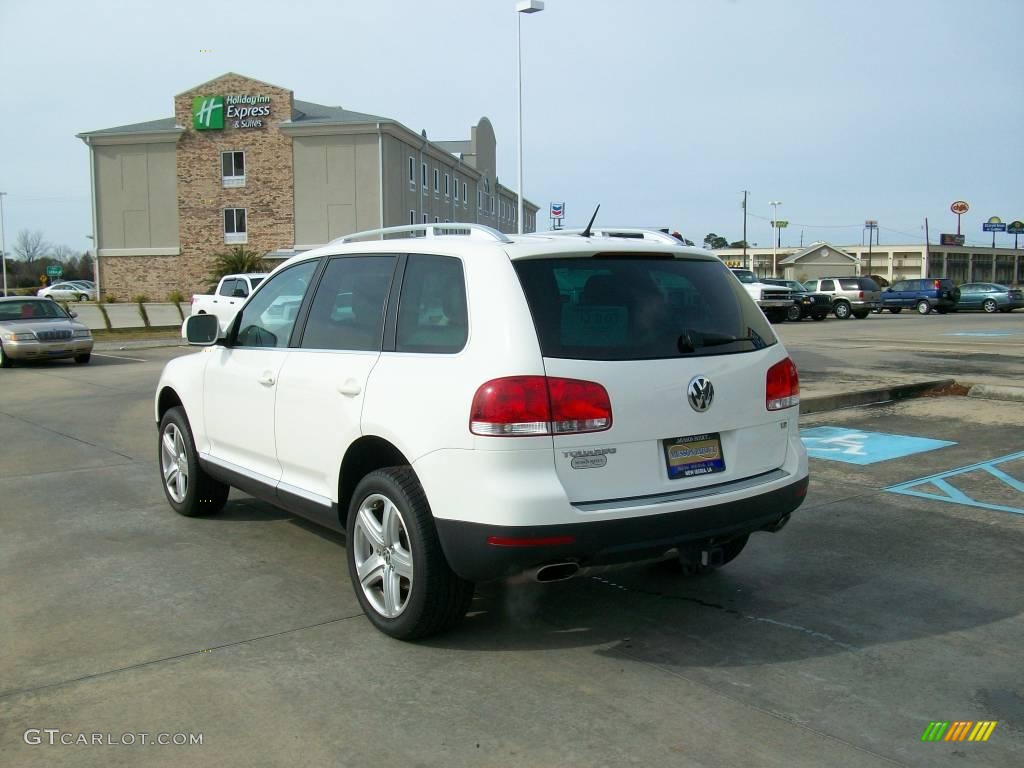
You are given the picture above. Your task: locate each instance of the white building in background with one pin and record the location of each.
(962, 264)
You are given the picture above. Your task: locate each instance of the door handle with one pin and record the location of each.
(350, 388)
(266, 379)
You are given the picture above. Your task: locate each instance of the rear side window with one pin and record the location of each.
(850, 285)
(348, 307)
(636, 308)
(828, 285)
(432, 313)
(227, 287)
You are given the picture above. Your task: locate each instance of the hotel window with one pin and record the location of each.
(412, 170)
(424, 218)
(423, 175)
(465, 194)
(437, 181)
(479, 199)
(412, 217)
(447, 179)
(437, 219)
(456, 190)
(232, 169)
(235, 226)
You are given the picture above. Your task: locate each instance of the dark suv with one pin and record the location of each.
(924, 295)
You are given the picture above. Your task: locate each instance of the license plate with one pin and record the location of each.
(693, 455)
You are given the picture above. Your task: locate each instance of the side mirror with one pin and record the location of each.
(73, 313)
(202, 330)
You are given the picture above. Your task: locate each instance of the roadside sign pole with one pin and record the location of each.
(3, 244)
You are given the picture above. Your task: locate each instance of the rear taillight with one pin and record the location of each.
(517, 406)
(782, 386)
(860, 295)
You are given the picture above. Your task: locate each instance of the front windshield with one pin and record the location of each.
(31, 309)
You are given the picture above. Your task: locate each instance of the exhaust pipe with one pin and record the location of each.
(778, 525)
(556, 571)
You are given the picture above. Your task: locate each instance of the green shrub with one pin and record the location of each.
(140, 298)
(175, 297)
(239, 260)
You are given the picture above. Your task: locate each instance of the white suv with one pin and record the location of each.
(467, 405)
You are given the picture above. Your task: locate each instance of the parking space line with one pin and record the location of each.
(118, 357)
(955, 495)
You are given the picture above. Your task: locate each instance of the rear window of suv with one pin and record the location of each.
(611, 307)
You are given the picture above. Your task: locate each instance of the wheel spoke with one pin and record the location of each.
(168, 446)
(371, 528)
(181, 484)
(388, 524)
(371, 571)
(170, 471)
(392, 592)
(401, 561)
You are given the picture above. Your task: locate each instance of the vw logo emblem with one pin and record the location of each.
(700, 393)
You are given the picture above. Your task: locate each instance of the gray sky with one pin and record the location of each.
(662, 111)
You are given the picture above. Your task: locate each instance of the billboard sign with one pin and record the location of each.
(959, 207)
(558, 210)
(952, 239)
(995, 224)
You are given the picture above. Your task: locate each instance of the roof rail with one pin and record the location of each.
(637, 233)
(475, 231)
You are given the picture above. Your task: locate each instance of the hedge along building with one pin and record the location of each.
(243, 163)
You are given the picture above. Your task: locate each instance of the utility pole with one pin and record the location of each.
(927, 255)
(745, 263)
(3, 243)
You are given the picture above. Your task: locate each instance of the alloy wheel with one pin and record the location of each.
(383, 555)
(174, 463)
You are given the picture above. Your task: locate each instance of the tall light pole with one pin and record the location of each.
(775, 229)
(523, 6)
(3, 243)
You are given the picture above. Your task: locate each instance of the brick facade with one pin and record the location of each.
(125, 277)
(268, 194)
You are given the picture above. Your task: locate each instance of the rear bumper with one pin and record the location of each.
(605, 542)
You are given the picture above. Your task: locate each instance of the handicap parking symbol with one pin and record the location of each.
(855, 446)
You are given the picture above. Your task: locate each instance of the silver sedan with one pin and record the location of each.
(68, 292)
(40, 329)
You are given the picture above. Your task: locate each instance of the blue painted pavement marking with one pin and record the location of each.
(855, 446)
(982, 333)
(955, 495)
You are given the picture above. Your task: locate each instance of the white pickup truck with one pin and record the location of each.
(231, 293)
(773, 300)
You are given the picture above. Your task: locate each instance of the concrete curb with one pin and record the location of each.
(869, 396)
(997, 392)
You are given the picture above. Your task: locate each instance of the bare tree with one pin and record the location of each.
(64, 253)
(29, 246)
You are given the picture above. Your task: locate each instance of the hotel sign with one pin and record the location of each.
(245, 111)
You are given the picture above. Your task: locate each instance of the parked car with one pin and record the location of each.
(805, 304)
(67, 292)
(922, 294)
(40, 329)
(224, 301)
(467, 405)
(990, 297)
(851, 296)
(774, 301)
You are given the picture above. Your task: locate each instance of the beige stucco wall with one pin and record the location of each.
(337, 186)
(401, 196)
(136, 198)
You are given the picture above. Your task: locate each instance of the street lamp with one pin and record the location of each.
(775, 240)
(523, 6)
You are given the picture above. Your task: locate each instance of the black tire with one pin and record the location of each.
(793, 314)
(436, 598)
(861, 315)
(895, 310)
(82, 297)
(83, 359)
(841, 309)
(819, 315)
(923, 307)
(989, 305)
(5, 361)
(202, 495)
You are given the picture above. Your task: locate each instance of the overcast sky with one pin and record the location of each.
(662, 111)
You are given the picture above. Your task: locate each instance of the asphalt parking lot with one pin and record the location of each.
(893, 599)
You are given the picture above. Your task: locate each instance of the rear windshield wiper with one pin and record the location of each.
(691, 341)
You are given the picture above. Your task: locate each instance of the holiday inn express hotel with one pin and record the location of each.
(244, 163)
